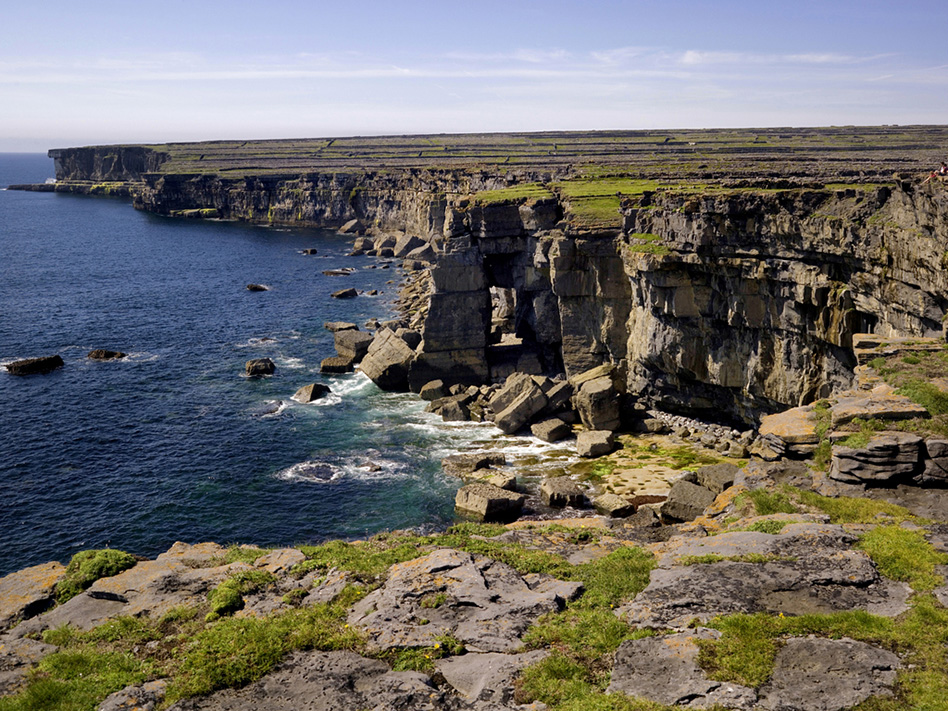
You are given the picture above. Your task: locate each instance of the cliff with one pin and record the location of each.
(723, 273)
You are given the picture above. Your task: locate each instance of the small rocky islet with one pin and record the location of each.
(791, 557)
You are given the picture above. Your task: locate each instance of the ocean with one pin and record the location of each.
(174, 442)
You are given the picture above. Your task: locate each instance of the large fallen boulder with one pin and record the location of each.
(551, 430)
(686, 501)
(597, 402)
(352, 344)
(483, 603)
(594, 443)
(460, 465)
(487, 502)
(387, 361)
(521, 410)
(561, 491)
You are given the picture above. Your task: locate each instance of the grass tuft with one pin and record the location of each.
(905, 555)
(88, 566)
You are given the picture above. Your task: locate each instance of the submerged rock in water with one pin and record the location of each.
(33, 366)
(257, 287)
(102, 354)
(345, 294)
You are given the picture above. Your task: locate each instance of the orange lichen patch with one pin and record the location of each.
(26, 588)
(682, 646)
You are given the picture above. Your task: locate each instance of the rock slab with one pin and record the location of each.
(486, 604)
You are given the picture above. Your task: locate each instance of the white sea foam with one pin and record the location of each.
(256, 342)
(371, 467)
(290, 362)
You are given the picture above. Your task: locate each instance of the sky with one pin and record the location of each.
(81, 73)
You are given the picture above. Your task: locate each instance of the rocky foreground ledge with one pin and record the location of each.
(776, 597)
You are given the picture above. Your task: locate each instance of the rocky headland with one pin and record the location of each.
(735, 339)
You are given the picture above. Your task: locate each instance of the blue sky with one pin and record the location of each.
(76, 73)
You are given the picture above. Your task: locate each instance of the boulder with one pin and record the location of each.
(424, 253)
(794, 428)
(665, 670)
(521, 410)
(594, 443)
(686, 501)
(345, 294)
(311, 392)
(551, 430)
(28, 592)
(486, 604)
(460, 465)
(889, 456)
(340, 326)
(405, 244)
(257, 287)
(352, 344)
(335, 365)
(717, 477)
(33, 366)
(411, 337)
(828, 675)
(102, 354)
(433, 390)
(502, 480)
(559, 396)
(561, 491)
(352, 227)
(487, 502)
(614, 506)
(455, 408)
(387, 361)
(259, 366)
(597, 402)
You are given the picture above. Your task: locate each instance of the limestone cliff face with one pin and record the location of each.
(730, 304)
(410, 201)
(101, 163)
(755, 303)
(727, 304)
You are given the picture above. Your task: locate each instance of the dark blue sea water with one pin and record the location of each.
(174, 443)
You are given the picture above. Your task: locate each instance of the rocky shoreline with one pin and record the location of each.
(790, 555)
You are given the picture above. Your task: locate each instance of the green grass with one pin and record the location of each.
(244, 554)
(771, 526)
(770, 502)
(845, 509)
(88, 566)
(76, 680)
(904, 555)
(228, 597)
(746, 650)
(515, 193)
